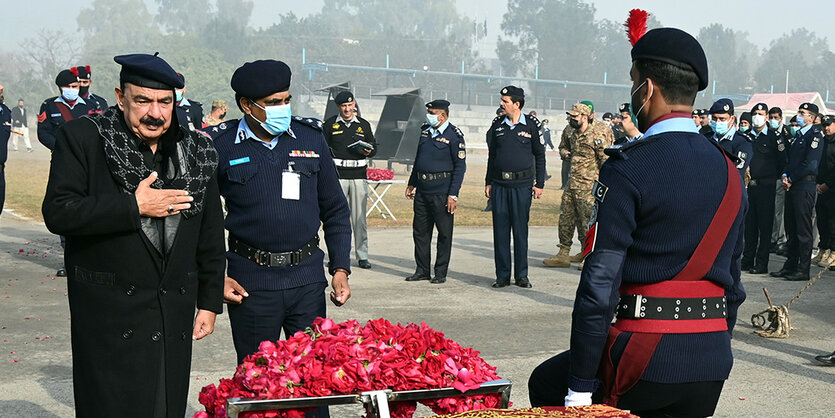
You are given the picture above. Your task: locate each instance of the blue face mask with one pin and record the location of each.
(432, 120)
(774, 123)
(721, 128)
(632, 111)
(744, 128)
(69, 94)
(178, 94)
(278, 118)
(794, 130)
(801, 121)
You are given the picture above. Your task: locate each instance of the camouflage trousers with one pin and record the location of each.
(575, 210)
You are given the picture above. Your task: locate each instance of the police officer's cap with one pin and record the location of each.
(261, 78)
(828, 119)
(343, 97)
(722, 106)
(65, 78)
(810, 107)
(673, 46)
(513, 91)
(149, 71)
(438, 104)
(760, 106)
(607, 115)
(82, 71)
(695, 113)
(624, 107)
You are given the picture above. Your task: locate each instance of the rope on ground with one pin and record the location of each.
(775, 321)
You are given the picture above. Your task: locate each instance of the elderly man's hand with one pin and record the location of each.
(155, 203)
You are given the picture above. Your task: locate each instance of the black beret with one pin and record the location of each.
(499, 111)
(65, 78)
(695, 112)
(746, 116)
(793, 119)
(760, 106)
(673, 46)
(149, 71)
(82, 71)
(513, 91)
(438, 104)
(722, 106)
(261, 78)
(810, 107)
(624, 107)
(343, 97)
(828, 119)
(607, 115)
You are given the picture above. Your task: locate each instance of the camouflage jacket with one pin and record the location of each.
(586, 153)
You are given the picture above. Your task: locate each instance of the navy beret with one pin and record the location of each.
(810, 107)
(828, 119)
(673, 46)
(624, 107)
(760, 106)
(82, 71)
(438, 104)
(695, 112)
(343, 97)
(513, 91)
(149, 71)
(258, 79)
(722, 106)
(182, 78)
(65, 78)
(607, 115)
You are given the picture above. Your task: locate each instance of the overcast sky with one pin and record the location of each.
(763, 20)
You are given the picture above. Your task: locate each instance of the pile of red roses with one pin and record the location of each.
(346, 358)
(377, 174)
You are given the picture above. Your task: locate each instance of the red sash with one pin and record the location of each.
(647, 333)
(65, 111)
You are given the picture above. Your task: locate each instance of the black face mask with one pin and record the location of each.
(82, 90)
(574, 123)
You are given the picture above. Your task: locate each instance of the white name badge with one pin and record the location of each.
(290, 185)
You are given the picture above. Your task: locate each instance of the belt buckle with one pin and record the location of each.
(278, 259)
(423, 176)
(638, 305)
(506, 175)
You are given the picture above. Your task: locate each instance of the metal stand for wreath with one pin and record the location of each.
(377, 401)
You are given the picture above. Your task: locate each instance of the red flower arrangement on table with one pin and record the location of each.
(378, 174)
(347, 358)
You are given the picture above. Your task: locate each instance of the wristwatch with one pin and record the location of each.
(455, 198)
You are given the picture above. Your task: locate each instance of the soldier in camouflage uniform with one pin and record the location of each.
(584, 146)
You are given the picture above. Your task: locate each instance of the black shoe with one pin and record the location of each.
(61, 273)
(759, 270)
(797, 277)
(547, 177)
(487, 209)
(782, 250)
(747, 266)
(417, 277)
(781, 273)
(501, 283)
(523, 282)
(438, 280)
(828, 360)
(364, 264)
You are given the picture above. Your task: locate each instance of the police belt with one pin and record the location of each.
(805, 178)
(672, 307)
(514, 175)
(765, 181)
(434, 176)
(350, 163)
(266, 258)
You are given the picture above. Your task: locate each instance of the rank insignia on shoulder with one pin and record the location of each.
(458, 132)
(599, 191)
(462, 155)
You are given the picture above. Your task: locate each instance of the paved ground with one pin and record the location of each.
(515, 329)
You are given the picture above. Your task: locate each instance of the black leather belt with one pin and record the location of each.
(266, 258)
(513, 175)
(645, 307)
(434, 176)
(806, 178)
(762, 182)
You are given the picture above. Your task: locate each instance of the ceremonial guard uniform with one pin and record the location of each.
(437, 175)
(344, 136)
(804, 160)
(97, 103)
(510, 170)
(190, 113)
(729, 138)
(662, 253)
(767, 164)
(278, 193)
(55, 111)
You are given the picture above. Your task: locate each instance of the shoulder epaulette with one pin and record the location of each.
(620, 150)
(311, 122)
(218, 130)
(424, 127)
(496, 119)
(457, 131)
(535, 120)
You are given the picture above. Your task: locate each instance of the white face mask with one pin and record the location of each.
(758, 120)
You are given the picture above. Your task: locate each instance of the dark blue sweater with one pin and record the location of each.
(249, 175)
(663, 191)
(444, 153)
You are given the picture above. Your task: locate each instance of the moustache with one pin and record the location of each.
(152, 121)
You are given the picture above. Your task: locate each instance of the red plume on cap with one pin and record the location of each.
(74, 71)
(636, 25)
(87, 67)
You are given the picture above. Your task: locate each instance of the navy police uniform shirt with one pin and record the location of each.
(769, 157)
(739, 146)
(250, 179)
(514, 149)
(439, 151)
(804, 158)
(190, 115)
(654, 201)
(97, 103)
(51, 117)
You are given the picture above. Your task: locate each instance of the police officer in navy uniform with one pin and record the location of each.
(280, 184)
(55, 111)
(767, 163)
(352, 143)
(85, 79)
(725, 133)
(189, 112)
(513, 140)
(704, 118)
(439, 169)
(655, 201)
(799, 179)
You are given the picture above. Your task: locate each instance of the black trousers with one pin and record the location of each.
(511, 212)
(758, 223)
(798, 219)
(548, 386)
(430, 213)
(824, 209)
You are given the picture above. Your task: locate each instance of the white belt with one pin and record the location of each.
(350, 163)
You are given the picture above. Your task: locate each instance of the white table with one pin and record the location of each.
(377, 196)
